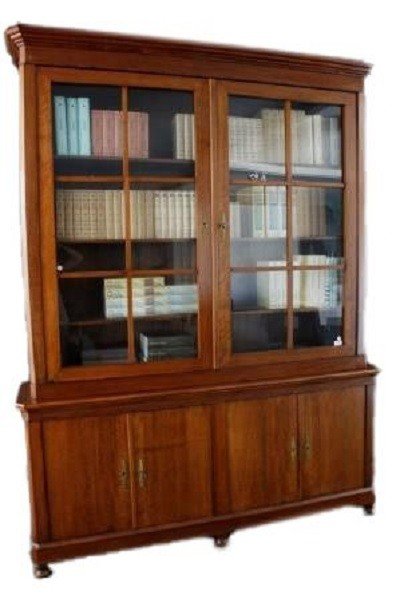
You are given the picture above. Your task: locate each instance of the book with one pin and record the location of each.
(183, 136)
(72, 126)
(60, 117)
(84, 148)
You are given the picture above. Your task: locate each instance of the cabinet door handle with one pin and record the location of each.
(141, 473)
(123, 475)
(223, 225)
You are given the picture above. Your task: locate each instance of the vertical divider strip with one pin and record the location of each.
(289, 223)
(128, 232)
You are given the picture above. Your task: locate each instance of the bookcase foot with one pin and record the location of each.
(42, 571)
(369, 510)
(221, 541)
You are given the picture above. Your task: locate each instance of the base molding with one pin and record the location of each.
(218, 526)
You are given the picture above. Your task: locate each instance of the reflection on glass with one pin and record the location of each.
(161, 132)
(93, 326)
(258, 303)
(88, 129)
(165, 317)
(317, 226)
(316, 141)
(256, 138)
(317, 301)
(257, 225)
(163, 226)
(90, 227)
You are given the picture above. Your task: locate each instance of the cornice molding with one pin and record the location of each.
(21, 38)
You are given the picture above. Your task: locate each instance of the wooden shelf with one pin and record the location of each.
(113, 321)
(267, 239)
(87, 241)
(98, 274)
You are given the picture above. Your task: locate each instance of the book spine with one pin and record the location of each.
(97, 132)
(118, 133)
(109, 225)
(84, 127)
(72, 126)
(60, 117)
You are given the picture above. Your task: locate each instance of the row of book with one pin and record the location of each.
(82, 131)
(183, 136)
(151, 296)
(257, 139)
(316, 139)
(83, 214)
(162, 347)
(163, 214)
(258, 212)
(310, 212)
(315, 289)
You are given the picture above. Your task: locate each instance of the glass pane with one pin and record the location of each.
(163, 226)
(161, 132)
(88, 130)
(256, 138)
(316, 142)
(317, 301)
(317, 226)
(257, 225)
(93, 326)
(90, 227)
(258, 303)
(165, 317)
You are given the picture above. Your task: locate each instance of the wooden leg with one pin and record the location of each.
(369, 510)
(42, 571)
(221, 541)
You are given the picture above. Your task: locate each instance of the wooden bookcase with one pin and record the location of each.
(193, 255)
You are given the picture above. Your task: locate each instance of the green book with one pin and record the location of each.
(84, 143)
(60, 117)
(72, 126)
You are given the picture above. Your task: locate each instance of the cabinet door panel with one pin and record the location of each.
(172, 465)
(86, 462)
(262, 452)
(332, 425)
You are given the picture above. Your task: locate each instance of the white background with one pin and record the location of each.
(336, 554)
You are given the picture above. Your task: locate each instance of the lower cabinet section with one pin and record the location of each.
(150, 470)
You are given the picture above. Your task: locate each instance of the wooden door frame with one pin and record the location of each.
(200, 89)
(221, 184)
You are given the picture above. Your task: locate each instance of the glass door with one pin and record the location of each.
(127, 195)
(286, 212)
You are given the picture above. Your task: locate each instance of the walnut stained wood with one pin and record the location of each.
(127, 454)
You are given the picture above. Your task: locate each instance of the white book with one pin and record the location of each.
(318, 154)
(149, 199)
(60, 117)
(60, 216)
(157, 215)
(84, 144)
(109, 214)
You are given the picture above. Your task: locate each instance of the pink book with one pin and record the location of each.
(97, 132)
(118, 133)
(138, 135)
(108, 133)
(145, 135)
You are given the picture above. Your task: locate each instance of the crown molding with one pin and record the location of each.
(22, 40)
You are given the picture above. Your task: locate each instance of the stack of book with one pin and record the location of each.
(258, 211)
(319, 289)
(157, 347)
(183, 136)
(115, 298)
(80, 131)
(158, 214)
(83, 214)
(150, 297)
(316, 140)
(309, 212)
(271, 286)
